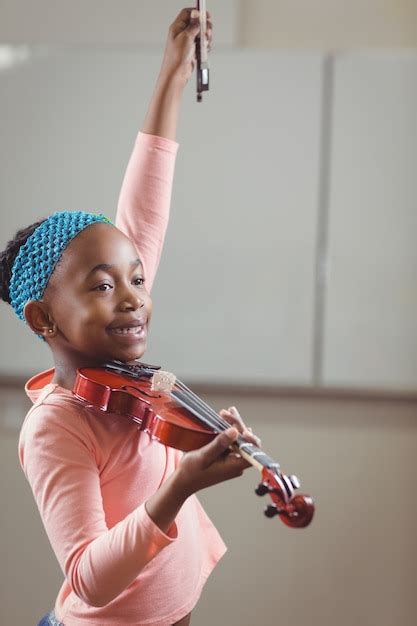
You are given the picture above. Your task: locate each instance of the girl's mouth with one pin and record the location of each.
(130, 333)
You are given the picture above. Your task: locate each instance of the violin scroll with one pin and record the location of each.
(295, 511)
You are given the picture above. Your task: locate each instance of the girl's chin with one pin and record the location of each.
(131, 357)
(126, 355)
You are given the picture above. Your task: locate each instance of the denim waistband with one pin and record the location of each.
(53, 620)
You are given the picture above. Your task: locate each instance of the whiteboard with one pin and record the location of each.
(371, 300)
(233, 300)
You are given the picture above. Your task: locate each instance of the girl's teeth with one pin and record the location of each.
(128, 331)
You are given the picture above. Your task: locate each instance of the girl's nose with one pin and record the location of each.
(132, 300)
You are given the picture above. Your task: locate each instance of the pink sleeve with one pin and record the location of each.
(145, 198)
(57, 455)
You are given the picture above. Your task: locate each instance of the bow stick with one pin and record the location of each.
(201, 52)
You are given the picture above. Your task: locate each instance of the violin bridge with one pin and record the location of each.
(163, 381)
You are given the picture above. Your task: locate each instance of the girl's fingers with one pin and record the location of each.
(189, 18)
(182, 22)
(215, 448)
(233, 417)
(186, 24)
(248, 434)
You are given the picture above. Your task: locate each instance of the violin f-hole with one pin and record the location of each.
(144, 392)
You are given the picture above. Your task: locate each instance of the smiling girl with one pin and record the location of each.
(119, 509)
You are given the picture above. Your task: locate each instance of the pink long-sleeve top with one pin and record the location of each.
(92, 472)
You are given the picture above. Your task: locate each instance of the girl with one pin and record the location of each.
(119, 509)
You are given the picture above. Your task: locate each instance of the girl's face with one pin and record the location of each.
(97, 298)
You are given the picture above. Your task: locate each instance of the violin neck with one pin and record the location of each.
(268, 467)
(254, 455)
(206, 415)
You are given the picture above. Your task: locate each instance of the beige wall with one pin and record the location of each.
(260, 23)
(330, 24)
(355, 564)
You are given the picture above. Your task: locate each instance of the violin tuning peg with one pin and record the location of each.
(262, 489)
(271, 510)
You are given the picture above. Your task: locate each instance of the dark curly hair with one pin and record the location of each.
(8, 256)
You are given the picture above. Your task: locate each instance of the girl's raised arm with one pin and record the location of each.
(145, 198)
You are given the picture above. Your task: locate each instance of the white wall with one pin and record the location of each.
(371, 296)
(255, 185)
(237, 212)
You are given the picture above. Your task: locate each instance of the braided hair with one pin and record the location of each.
(8, 256)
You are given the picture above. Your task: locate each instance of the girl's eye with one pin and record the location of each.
(103, 287)
(139, 281)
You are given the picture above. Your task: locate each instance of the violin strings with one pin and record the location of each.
(210, 415)
(205, 408)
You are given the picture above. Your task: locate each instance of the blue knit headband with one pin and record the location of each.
(37, 258)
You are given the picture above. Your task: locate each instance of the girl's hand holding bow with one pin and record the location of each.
(179, 56)
(177, 66)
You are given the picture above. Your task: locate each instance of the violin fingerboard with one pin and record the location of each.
(137, 371)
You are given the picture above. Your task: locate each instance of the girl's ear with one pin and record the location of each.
(38, 318)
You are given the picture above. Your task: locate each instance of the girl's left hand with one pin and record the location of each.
(179, 57)
(232, 416)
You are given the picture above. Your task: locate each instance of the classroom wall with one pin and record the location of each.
(257, 23)
(331, 24)
(355, 563)
(309, 211)
(357, 173)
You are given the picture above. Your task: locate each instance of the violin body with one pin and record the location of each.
(162, 406)
(153, 411)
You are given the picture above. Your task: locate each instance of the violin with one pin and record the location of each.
(201, 52)
(165, 408)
